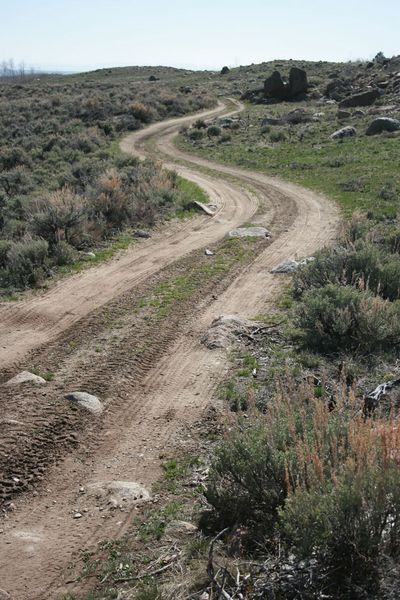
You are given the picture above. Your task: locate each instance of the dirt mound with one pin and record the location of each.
(225, 330)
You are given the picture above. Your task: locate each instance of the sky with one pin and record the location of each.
(88, 34)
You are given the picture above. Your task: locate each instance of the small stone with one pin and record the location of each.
(26, 377)
(86, 401)
(208, 252)
(77, 515)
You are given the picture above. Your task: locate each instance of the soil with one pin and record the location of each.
(155, 378)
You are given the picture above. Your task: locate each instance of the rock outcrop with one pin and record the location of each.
(296, 88)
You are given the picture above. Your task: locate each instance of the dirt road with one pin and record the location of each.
(150, 406)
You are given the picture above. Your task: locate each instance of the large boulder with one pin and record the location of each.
(363, 99)
(298, 84)
(274, 86)
(343, 133)
(383, 124)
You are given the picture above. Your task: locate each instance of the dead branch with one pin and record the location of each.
(372, 399)
(211, 570)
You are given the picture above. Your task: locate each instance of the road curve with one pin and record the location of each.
(159, 412)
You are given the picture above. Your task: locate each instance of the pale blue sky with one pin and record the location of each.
(207, 34)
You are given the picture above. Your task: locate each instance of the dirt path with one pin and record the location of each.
(40, 317)
(146, 417)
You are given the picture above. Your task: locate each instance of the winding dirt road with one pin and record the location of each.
(145, 417)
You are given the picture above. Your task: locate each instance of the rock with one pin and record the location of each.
(250, 232)
(295, 117)
(225, 70)
(153, 78)
(274, 86)
(5, 596)
(208, 252)
(140, 233)
(272, 121)
(204, 207)
(77, 515)
(359, 113)
(290, 266)
(298, 84)
(26, 377)
(224, 331)
(119, 494)
(178, 527)
(343, 114)
(343, 133)
(89, 255)
(363, 99)
(338, 88)
(383, 124)
(86, 401)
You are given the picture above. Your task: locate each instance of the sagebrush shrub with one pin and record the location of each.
(318, 482)
(27, 263)
(337, 318)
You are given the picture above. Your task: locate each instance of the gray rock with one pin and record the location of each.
(86, 401)
(298, 84)
(208, 252)
(383, 124)
(26, 377)
(299, 115)
(250, 232)
(89, 255)
(343, 114)
(140, 233)
(363, 99)
(343, 133)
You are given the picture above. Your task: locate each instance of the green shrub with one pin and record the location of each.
(213, 131)
(277, 136)
(200, 124)
(63, 254)
(56, 217)
(363, 265)
(196, 134)
(141, 112)
(247, 481)
(320, 483)
(346, 525)
(338, 318)
(5, 246)
(27, 263)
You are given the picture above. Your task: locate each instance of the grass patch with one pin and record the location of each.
(360, 173)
